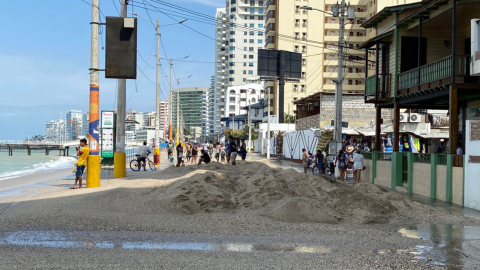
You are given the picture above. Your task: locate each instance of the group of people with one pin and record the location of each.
(223, 152)
(347, 158)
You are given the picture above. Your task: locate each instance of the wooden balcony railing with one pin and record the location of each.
(435, 71)
(384, 84)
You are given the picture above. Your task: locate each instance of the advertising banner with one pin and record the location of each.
(107, 135)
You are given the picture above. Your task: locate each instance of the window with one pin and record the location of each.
(231, 72)
(232, 32)
(252, 33)
(250, 65)
(260, 11)
(304, 23)
(232, 55)
(297, 35)
(296, 48)
(252, 25)
(260, 18)
(252, 41)
(245, 33)
(303, 87)
(252, 10)
(260, 33)
(252, 17)
(350, 82)
(244, 72)
(233, 9)
(246, 25)
(304, 48)
(260, 41)
(252, 2)
(243, 91)
(232, 40)
(250, 49)
(304, 61)
(297, 23)
(253, 101)
(250, 72)
(233, 1)
(231, 79)
(232, 64)
(250, 56)
(232, 99)
(260, 25)
(232, 24)
(253, 92)
(245, 40)
(243, 99)
(245, 48)
(244, 56)
(303, 75)
(260, 3)
(232, 16)
(295, 87)
(231, 48)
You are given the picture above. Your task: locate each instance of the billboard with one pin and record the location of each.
(269, 63)
(121, 48)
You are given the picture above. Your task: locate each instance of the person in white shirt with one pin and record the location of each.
(358, 165)
(143, 152)
(459, 150)
(205, 146)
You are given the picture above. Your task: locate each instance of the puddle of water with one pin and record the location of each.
(452, 245)
(59, 239)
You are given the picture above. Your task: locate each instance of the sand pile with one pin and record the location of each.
(290, 196)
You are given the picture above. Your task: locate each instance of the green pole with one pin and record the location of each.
(449, 188)
(396, 170)
(433, 176)
(374, 165)
(410, 159)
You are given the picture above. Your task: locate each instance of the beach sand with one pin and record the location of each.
(253, 200)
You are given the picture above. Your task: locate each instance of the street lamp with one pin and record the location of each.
(310, 8)
(156, 156)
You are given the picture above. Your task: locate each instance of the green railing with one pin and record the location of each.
(434, 71)
(370, 86)
(384, 82)
(442, 159)
(384, 156)
(367, 155)
(422, 158)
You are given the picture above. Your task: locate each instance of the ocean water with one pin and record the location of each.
(21, 164)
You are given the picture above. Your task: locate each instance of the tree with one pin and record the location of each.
(289, 119)
(36, 138)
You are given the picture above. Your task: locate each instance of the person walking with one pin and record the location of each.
(222, 153)
(358, 165)
(341, 160)
(227, 149)
(179, 154)
(82, 152)
(210, 149)
(319, 161)
(233, 150)
(169, 148)
(189, 151)
(304, 160)
(143, 152)
(217, 151)
(194, 154)
(243, 150)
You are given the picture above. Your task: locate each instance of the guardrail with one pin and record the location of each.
(130, 153)
(27, 142)
(422, 158)
(384, 156)
(442, 159)
(367, 155)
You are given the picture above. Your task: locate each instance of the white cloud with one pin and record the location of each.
(214, 3)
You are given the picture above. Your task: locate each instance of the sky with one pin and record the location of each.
(45, 57)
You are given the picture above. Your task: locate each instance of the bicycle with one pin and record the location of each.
(136, 165)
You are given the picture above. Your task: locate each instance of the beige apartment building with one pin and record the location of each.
(315, 34)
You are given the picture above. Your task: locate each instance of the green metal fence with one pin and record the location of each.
(384, 156)
(422, 158)
(367, 155)
(370, 86)
(442, 159)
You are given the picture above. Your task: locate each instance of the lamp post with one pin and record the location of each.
(158, 90)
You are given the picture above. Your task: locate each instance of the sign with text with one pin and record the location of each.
(107, 119)
(107, 138)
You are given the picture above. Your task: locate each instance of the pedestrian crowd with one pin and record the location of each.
(189, 153)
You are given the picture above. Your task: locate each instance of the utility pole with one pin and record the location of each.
(120, 156)
(156, 157)
(249, 126)
(339, 91)
(178, 107)
(268, 125)
(93, 172)
(170, 112)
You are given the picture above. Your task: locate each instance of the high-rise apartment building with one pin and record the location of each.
(240, 32)
(163, 117)
(85, 124)
(192, 110)
(70, 117)
(77, 128)
(55, 130)
(211, 114)
(315, 35)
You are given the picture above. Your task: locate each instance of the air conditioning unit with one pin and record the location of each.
(414, 118)
(404, 117)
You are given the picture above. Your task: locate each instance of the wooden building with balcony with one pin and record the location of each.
(422, 61)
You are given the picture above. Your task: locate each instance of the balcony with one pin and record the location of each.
(271, 2)
(384, 83)
(438, 72)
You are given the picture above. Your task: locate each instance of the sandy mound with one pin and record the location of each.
(290, 196)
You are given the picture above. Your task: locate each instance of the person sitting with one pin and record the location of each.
(205, 157)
